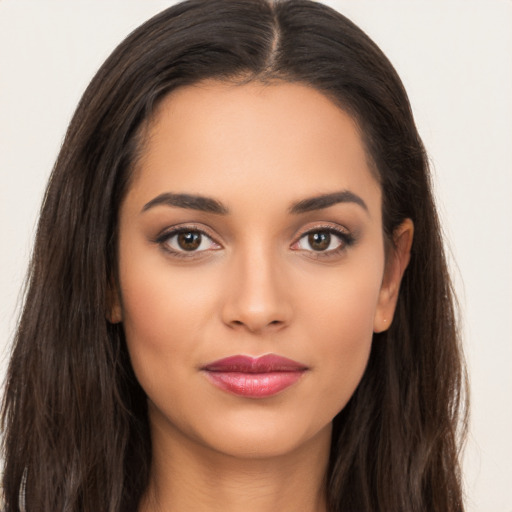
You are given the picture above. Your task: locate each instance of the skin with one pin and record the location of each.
(255, 286)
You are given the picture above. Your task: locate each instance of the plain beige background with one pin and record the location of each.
(455, 58)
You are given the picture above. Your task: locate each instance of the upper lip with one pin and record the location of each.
(247, 364)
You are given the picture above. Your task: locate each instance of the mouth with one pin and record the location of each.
(251, 377)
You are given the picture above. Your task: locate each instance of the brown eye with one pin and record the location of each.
(319, 240)
(189, 241)
(324, 241)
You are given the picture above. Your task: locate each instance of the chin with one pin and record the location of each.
(261, 436)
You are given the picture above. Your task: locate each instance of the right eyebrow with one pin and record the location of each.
(188, 201)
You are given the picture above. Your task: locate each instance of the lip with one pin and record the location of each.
(254, 377)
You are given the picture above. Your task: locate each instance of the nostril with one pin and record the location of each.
(254, 326)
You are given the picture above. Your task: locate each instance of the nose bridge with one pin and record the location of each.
(256, 295)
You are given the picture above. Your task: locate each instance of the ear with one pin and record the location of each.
(114, 313)
(396, 262)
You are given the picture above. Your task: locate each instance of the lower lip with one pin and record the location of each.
(254, 385)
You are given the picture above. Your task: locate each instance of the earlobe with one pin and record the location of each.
(396, 263)
(114, 313)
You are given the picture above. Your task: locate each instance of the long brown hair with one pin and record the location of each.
(76, 434)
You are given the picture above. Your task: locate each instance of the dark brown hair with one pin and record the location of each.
(76, 435)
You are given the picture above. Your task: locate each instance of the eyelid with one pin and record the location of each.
(325, 226)
(331, 228)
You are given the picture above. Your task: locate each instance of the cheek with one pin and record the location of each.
(164, 314)
(340, 326)
(351, 314)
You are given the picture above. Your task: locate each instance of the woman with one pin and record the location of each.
(224, 309)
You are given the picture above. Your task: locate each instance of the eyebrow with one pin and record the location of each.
(210, 205)
(189, 201)
(326, 200)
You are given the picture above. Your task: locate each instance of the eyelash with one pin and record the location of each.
(346, 238)
(164, 239)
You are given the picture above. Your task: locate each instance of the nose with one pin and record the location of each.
(257, 294)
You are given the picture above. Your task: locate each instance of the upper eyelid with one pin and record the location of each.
(323, 227)
(169, 231)
(344, 236)
(183, 228)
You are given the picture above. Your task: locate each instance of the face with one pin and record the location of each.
(252, 268)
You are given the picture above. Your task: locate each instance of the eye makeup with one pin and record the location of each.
(193, 241)
(324, 241)
(187, 241)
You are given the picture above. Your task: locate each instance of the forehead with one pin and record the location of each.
(217, 138)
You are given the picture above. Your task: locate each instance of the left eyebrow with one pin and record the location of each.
(326, 200)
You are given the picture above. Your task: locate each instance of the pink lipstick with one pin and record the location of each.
(251, 377)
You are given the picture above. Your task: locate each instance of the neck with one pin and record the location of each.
(189, 477)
